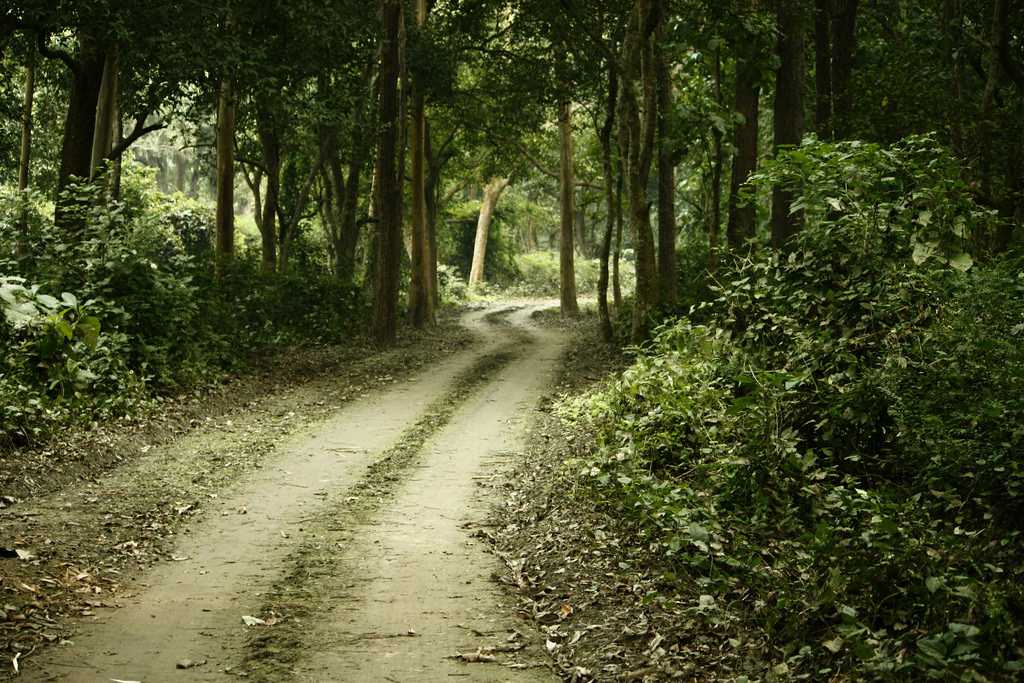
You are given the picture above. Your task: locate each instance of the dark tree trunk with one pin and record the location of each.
(638, 119)
(953, 33)
(79, 126)
(106, 113)
(789, 110)
(716, 174)
(667, 269)
(609, 189)
(823, 67)
(844, 47)
(270, 143)
(421, 299)
(387, 271)
(433, 187)
(25, 159)
(743, 218)
(566, 261)
(617, 255)
(225, 174)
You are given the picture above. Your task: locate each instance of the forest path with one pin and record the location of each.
(405, 556)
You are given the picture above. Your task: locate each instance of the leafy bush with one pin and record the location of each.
(835, 452)
(140, 309)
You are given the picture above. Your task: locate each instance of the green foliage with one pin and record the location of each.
(140, 310)
(835, 450)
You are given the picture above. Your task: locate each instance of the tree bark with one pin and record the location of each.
(225, 174)
(637, 128)
(270, 143)
(823, 68)
(421, 300)
(492, 193)
(743, 218)
(716, 173)
(106, 109)
(607, 331)
(667, 268)
(79, 126)
(431, 199)
(25, 159)
(567, 201)
(789, 111)
(617, 254)
(844, 47)
(387, 271)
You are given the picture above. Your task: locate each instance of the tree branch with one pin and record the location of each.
(547, 171)
(55, 54)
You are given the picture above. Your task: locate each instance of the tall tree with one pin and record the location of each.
(25, 158)
(667, 271)
(743, 217)
(567, 188)
(638, 119)
(421, 297)
(789, 109)
(608, 164)
(389, 175)
(225, 173)
(492, 193)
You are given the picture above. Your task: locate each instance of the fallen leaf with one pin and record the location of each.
(189, 664)
(252, 621)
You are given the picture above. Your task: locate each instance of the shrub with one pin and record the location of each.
(835, 453)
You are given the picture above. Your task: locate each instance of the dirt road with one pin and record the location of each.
(354, 543)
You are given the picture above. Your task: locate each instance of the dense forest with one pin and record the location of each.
(799, 220)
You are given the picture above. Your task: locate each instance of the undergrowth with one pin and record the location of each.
(828, 449)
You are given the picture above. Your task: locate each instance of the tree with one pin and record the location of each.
(492, 193)
(389, 174)
(567, 203)
(421, 295)
(789, 109)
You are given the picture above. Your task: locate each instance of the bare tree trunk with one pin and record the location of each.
(117, 166)
(823, 67)
(743, 218)
(270, 143)
(431, 199)
(387, 271)
(566, 255)
(607, 331)
(988, 101)
(667, 268)
(716, 174)
(617, 254)
(79, 126)
(492, 193)
(844, 47)
(106, 107)
(225, 175)
(421, 301)
(953, 32)
(637, 128)
(25, 160)
(789, 111)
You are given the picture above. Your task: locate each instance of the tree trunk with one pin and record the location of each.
(637, 128)
(117, 165)
(270, 144)
(421, 300)
(743, 218)
(79, 126)
(492, 193)
(844, 47)
(225, 174)
(106, 109)
(387, 271)
(667, 268)
(567, 201)
(25, 160)
(823, 67)
(617, 254)
(716, 174)
(953, 32)
(433, 187)
(789, 111)
(607, 331)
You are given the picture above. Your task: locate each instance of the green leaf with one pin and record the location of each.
(933, 583)
(962, 262)
(834, 645)
(48, 301)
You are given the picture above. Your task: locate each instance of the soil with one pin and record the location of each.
(333, 530)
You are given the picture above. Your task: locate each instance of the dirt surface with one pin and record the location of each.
(347, 538)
